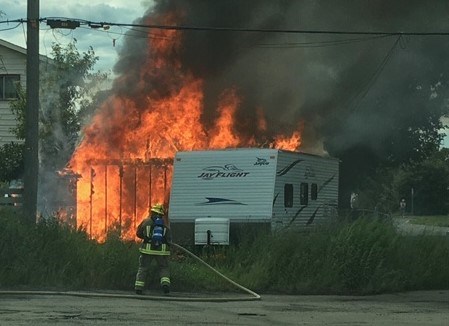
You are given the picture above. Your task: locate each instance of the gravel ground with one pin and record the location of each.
(120, 308)
(413, 308)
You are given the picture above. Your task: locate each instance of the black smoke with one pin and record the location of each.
(347, 89)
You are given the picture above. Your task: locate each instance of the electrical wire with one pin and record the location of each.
(290, 45)
(10, 28)
(94, 24)
(134, 28)
(248, 30)
(362, 94)
(138, 33)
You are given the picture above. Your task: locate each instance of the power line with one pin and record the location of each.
(362, 94)
(256, 30)
(288, 45)
(94, 24)
(13, 21)
(10, 28)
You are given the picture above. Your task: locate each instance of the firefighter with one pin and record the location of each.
(155, 233)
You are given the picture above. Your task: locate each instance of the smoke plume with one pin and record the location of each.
(339, 88)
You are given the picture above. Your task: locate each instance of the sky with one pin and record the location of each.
(318, 73)
(116, 11)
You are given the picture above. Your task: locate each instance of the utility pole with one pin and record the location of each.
(32, 113)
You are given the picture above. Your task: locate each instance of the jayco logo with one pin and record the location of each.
(226, 171)
(261, 161)
(309, 173)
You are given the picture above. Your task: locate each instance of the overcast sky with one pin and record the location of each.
(105, 43)
(116, 11)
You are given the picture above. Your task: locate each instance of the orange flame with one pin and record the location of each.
(124, 157)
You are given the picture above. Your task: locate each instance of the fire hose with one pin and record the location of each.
(253, 295)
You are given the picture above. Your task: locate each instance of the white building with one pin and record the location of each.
(12, 71)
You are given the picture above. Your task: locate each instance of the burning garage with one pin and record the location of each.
(181, 90)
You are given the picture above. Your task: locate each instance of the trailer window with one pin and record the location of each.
(288, 195)
(314, 191)
(304, 193)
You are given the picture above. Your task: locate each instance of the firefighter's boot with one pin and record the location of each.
(165, 284)
(139, 286)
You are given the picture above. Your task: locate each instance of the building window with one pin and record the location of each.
(8, 86)
(304, 193)
(288, 195)
(314, 191)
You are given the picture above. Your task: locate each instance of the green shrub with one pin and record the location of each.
(364, 256)
(11, 161)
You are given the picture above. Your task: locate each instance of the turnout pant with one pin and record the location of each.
(145, 261)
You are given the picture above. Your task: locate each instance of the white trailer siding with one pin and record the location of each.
(318, 178)
(235, 184)
(255, 188)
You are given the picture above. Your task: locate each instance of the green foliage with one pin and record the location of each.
(429, 179)
(430, 182)
(189, 275)
(68, 86)
(357, 255)
(361, 257)
(117, 262)
(12, 253)
(387, 134)
(12, 154)
(52, 255)
(18, 109)
(378, 193)
(11, 161)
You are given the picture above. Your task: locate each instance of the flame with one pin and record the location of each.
(124, 158)
(288, 143)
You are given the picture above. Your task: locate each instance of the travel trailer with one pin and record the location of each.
(252, 186)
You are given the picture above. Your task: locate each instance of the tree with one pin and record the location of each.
(11, 161)
(11, 155)
(430, 182)
(68, 87)
(67, 93)
(429, 179)
(386, 135)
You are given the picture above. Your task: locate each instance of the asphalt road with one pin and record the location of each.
(404, 226)
(120, 308)
(414, 308)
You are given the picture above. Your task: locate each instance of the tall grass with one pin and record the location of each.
(358, 257)
(52, 255)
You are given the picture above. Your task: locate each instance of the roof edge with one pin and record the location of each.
(18, 48)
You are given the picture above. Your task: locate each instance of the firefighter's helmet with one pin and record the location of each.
(158, 209)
